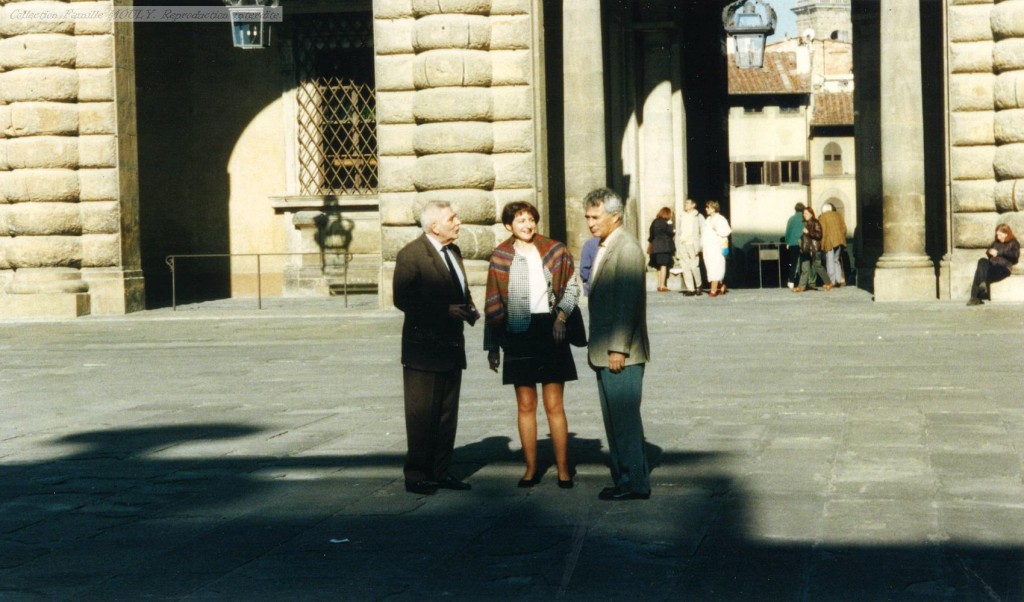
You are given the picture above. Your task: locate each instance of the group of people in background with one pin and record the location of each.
(691, 238)
(531, 316)
(815, 246)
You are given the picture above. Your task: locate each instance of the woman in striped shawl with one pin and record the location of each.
(531, 291)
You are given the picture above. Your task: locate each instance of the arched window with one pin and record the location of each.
(833, 159)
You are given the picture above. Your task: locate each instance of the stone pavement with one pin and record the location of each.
(811, 447)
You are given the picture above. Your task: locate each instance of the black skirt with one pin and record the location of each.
(532, 357)
(661, 260)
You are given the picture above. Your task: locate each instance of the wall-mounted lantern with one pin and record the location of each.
(250, 26)
(749, 22)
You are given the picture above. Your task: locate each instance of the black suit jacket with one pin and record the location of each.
(431, 340)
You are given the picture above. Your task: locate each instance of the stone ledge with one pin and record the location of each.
(44, 305)
(1010, 290)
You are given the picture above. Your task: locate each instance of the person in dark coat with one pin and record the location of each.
(999, 259)
(430, 287)
(661, 246)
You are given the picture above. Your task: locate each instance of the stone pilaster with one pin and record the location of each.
(904, 272)
(659, 153)
(67, 186)
(584, 112)
(455, 118)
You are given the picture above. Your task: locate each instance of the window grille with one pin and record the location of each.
(336, 102)
(833, 159)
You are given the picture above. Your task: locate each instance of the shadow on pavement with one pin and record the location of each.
(170, 512)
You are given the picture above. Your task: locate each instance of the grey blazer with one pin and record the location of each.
(618, 303)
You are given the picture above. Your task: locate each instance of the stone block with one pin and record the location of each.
(95, 51)
(392, 9)
(115, 290)
(905, 284)
(972, 128)
(453, 104)
(455, 137)
(37, 50)
(514, 170)
(510, 7)
(102, 217)
(974, 230)
(513, 136)
(972, 196)
(41, 185)
(1008, 55)
(1009, 290)
(1007, 20)
(396, 174)
(972, 162)
(396, 208)
(513, 103)
(396, 139)
(472, 206)
(45, 251)
(4, 164)
(97, 151)
(394, 238)
(1008, 91)
(395, 73)
(392, 36)
(92, 27)
(20, 18)
(42, 151)
(5, 177)
(1009, 196)
(50, 306)
(970, 23)
(97, 118)
(477, 242)
(512, 67)
(95, 85)
(4, 264)
(513, 195)
(98, 185)
(971, 92)
(436, 32)
(5, 121)
(1009, 161)
(101, 250)
(396, 107)
(445, 68)
(511, 32)
(455, 170)
(39, 84)
(970, 57)
(42, 119)
(1008, 126)
(44, 219)
(437, 7)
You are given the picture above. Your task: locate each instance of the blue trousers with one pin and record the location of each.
(620, 405)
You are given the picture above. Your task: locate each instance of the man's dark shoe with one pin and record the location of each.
(450, 482)
(612, 494)
(422, 487)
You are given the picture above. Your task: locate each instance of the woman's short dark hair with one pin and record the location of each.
(665, 213)
(511, 210)
(1005, 229)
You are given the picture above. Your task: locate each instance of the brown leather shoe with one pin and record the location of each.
(798, 289)
(828, 287)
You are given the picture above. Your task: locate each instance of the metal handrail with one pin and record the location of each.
(171, 261)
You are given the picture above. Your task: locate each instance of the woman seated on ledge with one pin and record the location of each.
(1001, 255)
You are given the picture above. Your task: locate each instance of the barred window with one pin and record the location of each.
(337, 108)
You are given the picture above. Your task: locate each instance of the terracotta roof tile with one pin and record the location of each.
(833, 108)
(778, 76)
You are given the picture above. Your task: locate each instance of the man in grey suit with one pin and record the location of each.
(430, 288)
(619, 347)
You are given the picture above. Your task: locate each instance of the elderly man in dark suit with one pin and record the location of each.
(619, 347)
(430, 287)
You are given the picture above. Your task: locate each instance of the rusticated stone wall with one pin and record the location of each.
(986, 127)
(67, 174)
(455, 113)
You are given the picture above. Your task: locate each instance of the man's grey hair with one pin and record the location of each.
(430, 212)
(604, 196)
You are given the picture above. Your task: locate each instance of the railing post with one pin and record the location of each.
(259, 284)
(174, 288)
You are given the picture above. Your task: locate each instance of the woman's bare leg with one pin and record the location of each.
(526, 399)
(555, 409)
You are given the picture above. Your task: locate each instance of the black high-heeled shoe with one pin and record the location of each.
(566, 484)
(527, 483)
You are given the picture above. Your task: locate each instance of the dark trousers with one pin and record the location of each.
(811, 269)
(987, 272)
(794, 264)
(431, 418)
(620, 405)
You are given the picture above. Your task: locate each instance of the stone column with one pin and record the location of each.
(455, 119)
(585, 148)
(904, 272)
(657, 131)
(69, 189)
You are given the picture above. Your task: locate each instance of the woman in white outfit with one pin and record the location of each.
(715, 240)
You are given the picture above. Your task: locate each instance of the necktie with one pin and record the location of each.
(452, 272)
